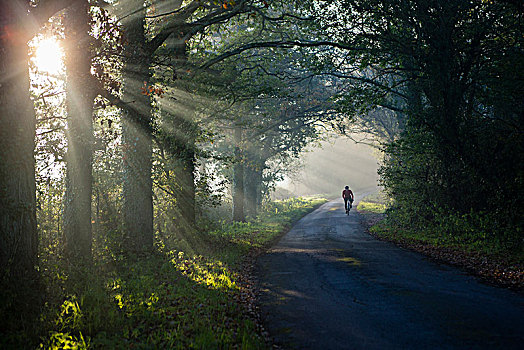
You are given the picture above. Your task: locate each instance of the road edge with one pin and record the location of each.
(486, 269)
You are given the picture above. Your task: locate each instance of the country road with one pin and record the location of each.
(329, 285)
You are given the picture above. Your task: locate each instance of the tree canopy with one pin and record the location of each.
(161, 117)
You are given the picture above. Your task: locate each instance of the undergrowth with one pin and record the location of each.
(473, 232)
(172, 299)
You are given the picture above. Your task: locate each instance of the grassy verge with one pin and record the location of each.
(372, 208)
(232, 241)
(173, 299)
(457, 240)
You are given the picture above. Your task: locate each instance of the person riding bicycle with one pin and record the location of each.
(347, 194)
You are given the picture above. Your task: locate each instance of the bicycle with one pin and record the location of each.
(348, 204)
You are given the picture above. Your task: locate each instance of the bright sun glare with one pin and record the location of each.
(49, 56)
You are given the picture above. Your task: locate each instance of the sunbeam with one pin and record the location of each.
(49, 56)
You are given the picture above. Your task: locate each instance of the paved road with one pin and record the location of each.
(329, 285)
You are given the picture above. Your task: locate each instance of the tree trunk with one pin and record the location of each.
(137, 138)
(179, 142)
(185, 180)
(18, 231)
(238, 178)
(251, 192)
(79, 100)
(253, 183)
(183, 146)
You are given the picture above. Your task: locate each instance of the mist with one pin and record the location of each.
(328, 168)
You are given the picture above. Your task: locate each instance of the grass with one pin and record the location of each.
(176, 303)
(457, 235)
(375, 203)
(472, 241)
(172, 299)
(471, 234)
(371, 208)
(231, 241)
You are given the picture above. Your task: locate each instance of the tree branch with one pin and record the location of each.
(284, 44)
(46, 9)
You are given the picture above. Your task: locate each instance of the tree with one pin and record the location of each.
(278, 103)
(80, 92)
(180, 22)
(136, 132)
(238, 177)
(437, 60)
(19, 21)
(176, 134)
(17, 130)
(179, 130)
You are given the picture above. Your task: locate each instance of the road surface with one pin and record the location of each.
(329, 285)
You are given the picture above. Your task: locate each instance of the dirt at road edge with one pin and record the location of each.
(490, 270)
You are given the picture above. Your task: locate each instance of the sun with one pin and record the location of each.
(49, 56)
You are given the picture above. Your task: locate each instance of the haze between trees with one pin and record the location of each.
(169, 112)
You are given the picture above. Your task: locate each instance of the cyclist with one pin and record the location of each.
(347, 194)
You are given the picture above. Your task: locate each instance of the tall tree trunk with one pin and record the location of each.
(253, 189)
(185, 180)
(183, 147)
(80, 95)
(178, 139)
(18, 232)
(238, 178)
(252, 182)
(137, 136)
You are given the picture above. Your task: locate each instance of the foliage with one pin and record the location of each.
(469, 232)
(441, 69)
(466, 241)
(439, 82)
(172, 299)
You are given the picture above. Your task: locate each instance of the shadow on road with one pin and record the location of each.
(329, 285)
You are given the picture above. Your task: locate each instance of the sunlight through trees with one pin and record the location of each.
(131, 128)
(49, 56)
